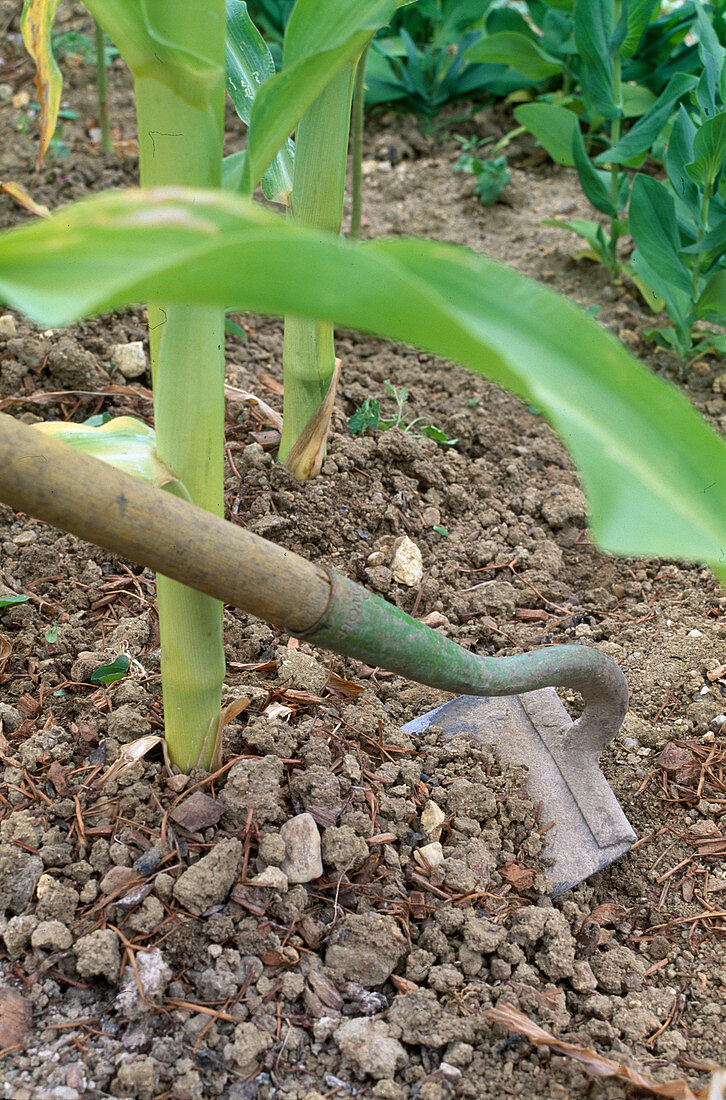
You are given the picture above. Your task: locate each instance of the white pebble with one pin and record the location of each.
(129, 359)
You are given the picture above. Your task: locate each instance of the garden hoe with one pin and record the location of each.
(508, 703)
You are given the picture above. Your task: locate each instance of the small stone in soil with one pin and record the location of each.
(366, 948)
(129, 359)
(8, 327)
(406, 564)
(154, 976)
(51, 935)
(208, 881)
(197, 812)
(97, 954)
(303, 862)
(147, 863)
(271, 877)
(370, 1048)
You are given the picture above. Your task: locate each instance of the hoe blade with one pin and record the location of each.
(590, 830)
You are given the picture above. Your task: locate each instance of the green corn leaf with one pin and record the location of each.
(654, 230)
(319, 41)
(109, 674)
(517, 50)
(133, 27)
(642, 135)
(553, 126)
(645, 455)
(249, 63)
(36, 24)
(658, 291)
(124, 442)
(709, 151)
(595, 184)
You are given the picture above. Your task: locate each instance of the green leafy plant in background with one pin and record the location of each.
(81, 45)
(679, 226)
(601, 58)
(606, 34)
(422, 62)
(193, 251)
(668, 45)
(368, 416)
(492, 174)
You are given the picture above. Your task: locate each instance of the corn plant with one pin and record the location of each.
(192, 248)
(180, 56)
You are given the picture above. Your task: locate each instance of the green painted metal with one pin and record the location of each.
(359, 624)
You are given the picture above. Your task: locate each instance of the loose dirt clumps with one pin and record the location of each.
(337, 908)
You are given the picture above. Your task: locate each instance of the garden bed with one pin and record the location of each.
(373, 979)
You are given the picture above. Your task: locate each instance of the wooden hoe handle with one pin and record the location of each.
(56, 483)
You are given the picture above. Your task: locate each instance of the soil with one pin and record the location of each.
(273, 929)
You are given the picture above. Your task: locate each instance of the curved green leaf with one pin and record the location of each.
(640, 13)
(591, 232)
(517, 50)
(123, 442)
(554, 127)
(595, 184)
(109, 674)
(637, 100)
(646, 457)
(679, 153)
(713, 296)
(319, 41)
(654, 229)
(648, 127)
(709, 150)
(134, 29)
(711, 84)
(598, 40)
(249, 63)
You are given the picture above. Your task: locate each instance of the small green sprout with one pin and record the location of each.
(109, 674)
(11, 601)
(368, 415)
(492, 175)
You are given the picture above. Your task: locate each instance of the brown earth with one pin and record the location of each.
(374, 977)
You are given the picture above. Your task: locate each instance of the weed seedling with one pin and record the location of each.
(368, 415)
(492, 175)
